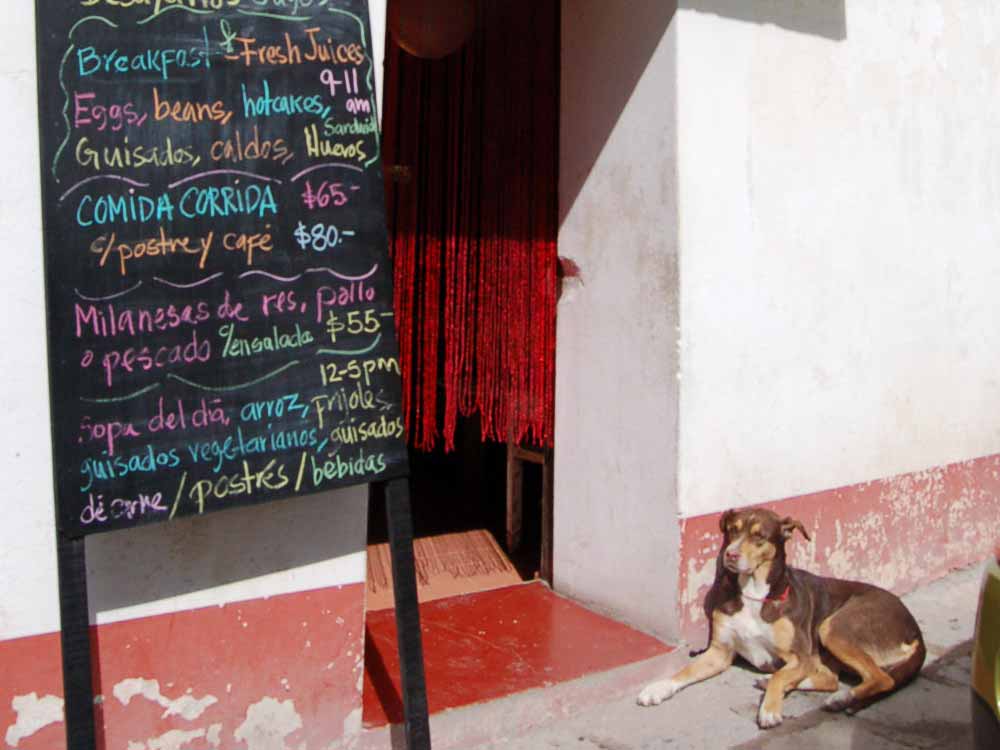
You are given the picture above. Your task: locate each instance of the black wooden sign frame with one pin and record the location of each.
(218, 288)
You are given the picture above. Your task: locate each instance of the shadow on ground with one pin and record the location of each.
(931, 713)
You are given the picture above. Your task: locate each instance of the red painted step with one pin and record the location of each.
(483, 646)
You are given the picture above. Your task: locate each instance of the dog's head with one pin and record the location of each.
(754, 537)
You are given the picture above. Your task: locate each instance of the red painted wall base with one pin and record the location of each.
(285, 671)
(897, 533)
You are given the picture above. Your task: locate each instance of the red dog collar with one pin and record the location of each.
(783, 597)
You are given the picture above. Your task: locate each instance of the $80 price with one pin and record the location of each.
(319, 237)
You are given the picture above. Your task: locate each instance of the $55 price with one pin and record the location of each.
(352, 323)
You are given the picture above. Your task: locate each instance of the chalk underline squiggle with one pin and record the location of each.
(287, 279)
(136, 183)
(193, 284)
(307, 170)
(82, 21)
(350, 352)
(229, 388)
(223, 171)
(109, 297)
(290, 279)
(300, 19)
(378, 141)
(117, 399)
(62, 85)
(102, 177)
(357, 20)
(342, 276)
(169, 8)
(65, 110)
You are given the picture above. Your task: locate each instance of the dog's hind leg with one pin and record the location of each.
(874, 680)
(715, 660)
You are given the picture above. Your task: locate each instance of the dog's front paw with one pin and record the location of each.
(657, 692)
(768, 719)
(839, 700)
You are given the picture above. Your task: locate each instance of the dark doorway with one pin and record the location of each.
(465, 490)
(470, 145)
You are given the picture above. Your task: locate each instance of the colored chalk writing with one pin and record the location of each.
(219, 292)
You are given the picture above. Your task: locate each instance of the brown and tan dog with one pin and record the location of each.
(802, 627)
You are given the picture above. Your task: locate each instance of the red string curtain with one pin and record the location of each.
(471, 152)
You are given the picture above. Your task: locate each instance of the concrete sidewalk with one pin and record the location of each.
(932, 712)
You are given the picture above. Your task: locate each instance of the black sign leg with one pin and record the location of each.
(77, 685)
(404, 582)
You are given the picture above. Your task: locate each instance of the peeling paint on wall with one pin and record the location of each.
(268, 723)
(359, 671)
(175, 739)
(214, 735)
(700, 574)
(33, 713)
(898, 532)
(187, 706)
(205, 691)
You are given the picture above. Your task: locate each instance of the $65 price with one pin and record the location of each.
(326, 195)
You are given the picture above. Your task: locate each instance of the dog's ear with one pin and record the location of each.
(789, 525)
(724, 519)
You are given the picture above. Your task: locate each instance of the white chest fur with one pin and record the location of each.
(747, 633)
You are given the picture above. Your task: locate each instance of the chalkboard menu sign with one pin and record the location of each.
(219, 293)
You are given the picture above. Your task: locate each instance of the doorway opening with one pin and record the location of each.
(470, 147)
(481, 485)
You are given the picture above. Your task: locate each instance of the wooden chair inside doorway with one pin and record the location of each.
(517, 456)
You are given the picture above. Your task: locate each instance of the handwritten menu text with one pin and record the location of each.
(219, 292)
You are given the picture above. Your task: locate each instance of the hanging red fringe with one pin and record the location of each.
(470, 147)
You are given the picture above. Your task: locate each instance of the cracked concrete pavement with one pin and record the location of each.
(932, 713)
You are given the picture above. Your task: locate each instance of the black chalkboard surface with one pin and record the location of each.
(219, 293)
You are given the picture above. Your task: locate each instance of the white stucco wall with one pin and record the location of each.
(283, 547)
(616, 365)
(839, 239)
(27, 538)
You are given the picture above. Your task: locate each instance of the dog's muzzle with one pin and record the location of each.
(731, 562)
